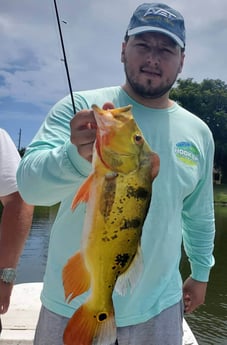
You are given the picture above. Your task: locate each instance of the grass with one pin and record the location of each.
(220, 193)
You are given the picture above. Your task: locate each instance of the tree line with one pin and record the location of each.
(207, 100)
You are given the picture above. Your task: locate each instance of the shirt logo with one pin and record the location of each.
(187, 153)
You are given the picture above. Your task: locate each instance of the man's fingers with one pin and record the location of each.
(108, 105)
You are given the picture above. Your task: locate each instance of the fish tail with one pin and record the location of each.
(89, 327)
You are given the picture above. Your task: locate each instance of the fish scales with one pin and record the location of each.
(118, 194)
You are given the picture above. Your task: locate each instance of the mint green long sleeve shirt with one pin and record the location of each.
(182, 202)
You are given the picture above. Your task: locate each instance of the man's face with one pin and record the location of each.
(152, 62)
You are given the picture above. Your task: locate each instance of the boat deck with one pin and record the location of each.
(20, 320)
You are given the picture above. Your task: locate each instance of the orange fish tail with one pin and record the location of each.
(89, 327)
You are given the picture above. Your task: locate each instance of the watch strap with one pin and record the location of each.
(7, 275)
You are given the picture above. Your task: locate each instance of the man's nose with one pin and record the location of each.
(152, 56)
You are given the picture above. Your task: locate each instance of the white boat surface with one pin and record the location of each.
(20, 321)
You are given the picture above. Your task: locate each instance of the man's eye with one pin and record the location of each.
(142, 45)
(167, 50)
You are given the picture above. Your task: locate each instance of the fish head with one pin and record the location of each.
(120, 144)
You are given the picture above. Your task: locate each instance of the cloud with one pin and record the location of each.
(32, 73)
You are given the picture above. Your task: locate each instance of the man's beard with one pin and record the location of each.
(147, 91)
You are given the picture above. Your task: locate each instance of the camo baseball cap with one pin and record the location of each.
(158, 17)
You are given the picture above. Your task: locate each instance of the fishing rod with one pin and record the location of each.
(64, 56)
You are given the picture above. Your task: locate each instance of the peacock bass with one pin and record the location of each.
(118, 194)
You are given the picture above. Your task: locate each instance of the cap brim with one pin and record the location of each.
(141, 29)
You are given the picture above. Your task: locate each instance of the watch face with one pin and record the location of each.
(8, 275)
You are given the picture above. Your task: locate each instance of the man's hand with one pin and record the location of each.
(5, 293)
(83, 131)
(194, 293)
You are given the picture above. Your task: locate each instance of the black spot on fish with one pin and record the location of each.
(122, 259)
(130, 223)
(105, 239)
(102, 317)
(138, 193)
(120, 209)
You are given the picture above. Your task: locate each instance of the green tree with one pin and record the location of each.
(207, 100)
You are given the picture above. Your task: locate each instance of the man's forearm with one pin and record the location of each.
(15, 226)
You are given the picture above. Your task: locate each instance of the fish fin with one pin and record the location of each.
(82, 194)
(76, 278)
(86, 328)
(129, 279)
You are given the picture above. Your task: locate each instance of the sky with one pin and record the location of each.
(32, 73)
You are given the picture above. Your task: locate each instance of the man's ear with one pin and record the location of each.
(181, 63)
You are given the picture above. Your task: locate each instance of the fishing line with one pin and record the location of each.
(64, 56)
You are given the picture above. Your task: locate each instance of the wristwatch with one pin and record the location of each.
(8, 275)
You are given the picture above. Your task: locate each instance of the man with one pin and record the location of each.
(16, 219)
(58, 160)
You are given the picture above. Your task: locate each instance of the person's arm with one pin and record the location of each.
(198, 234)
(15, 225)
(52, 167)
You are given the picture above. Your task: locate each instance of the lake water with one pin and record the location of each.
(208, 323)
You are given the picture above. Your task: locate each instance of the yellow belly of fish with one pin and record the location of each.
(115, 228)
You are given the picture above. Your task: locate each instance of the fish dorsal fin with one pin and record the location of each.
(82, 194)
(129, 279)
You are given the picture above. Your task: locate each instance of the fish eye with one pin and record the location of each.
(138, 139)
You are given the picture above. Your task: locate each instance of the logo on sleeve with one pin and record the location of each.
(187, 153)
